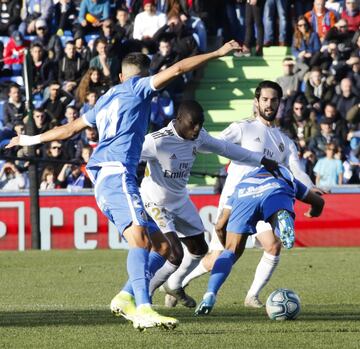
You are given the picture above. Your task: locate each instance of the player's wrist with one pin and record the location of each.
(25, 140)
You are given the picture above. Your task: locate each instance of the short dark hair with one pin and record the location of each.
(13, 85)
(137, 59)
(36, 44)
(70, 42)
(268, 84)
(191, 108)
(39, 110)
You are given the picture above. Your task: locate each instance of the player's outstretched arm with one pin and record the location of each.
(162, 78)
(56, 134)
(234, 152)
(317, 204)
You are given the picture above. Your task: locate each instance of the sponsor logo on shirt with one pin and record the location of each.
(176, 174)
(257, 139)
(281, 147)
(173, 157)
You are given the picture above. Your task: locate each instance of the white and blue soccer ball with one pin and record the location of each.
(283, 304)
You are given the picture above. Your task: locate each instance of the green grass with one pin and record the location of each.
(59, 299)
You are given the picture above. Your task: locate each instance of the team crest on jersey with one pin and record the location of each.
(173, 157)
(281, 147)
(194, 151)
(136, 200)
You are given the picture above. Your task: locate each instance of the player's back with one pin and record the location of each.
(121, 117)
(254, 135)
(260, 182)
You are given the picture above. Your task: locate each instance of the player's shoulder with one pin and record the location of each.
(244, 122)
(162, 134)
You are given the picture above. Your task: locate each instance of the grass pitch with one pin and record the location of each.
(59, 299)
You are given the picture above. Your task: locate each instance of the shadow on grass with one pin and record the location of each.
(104, 317)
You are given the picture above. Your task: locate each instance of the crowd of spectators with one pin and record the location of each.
(76, 48)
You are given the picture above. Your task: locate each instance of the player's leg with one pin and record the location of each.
(277, 209)
(160, 250)
(196, 248)
(267, 264)
(189, 228)
(235, 245)
(118, 198)
(216, 247)
(172, 263)
(165, 221)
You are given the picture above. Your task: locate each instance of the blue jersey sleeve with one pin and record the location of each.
(230, 201)
(143, 87)
(90, 117)
(301, 190)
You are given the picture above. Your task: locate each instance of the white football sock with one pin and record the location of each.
(264, 270)
(188, 264)
(198, 271)
(161, 276)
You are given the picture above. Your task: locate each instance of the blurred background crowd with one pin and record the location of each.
(76, 48)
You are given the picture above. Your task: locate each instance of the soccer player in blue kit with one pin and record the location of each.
(260, 195)
(122, 116)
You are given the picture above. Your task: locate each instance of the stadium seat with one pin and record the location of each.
(90, 38)
(65, 38)
(16, 69)
(4, 39)
(2, 112)
(30, 37)
(17, 79)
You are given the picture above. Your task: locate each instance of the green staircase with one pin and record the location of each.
(226, 92)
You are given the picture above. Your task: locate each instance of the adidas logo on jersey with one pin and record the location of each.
(257, 139)
(173, 157)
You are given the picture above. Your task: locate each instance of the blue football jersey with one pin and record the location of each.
(121, 117)
(261, 183)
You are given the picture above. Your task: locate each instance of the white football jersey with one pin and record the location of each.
(270, 141)
(170, 159)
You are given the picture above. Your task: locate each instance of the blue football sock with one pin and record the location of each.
(138, 270)
(221, 270)
(156, 261)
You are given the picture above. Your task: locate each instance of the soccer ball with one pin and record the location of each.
(283, 304)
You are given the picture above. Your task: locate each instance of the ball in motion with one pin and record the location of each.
(283, 304)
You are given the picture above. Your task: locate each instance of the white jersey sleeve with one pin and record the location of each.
(229, 150)
(148, 152)
(295, 167)
(233, 133)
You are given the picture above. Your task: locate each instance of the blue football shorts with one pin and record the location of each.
(246, 212)
(118, 197)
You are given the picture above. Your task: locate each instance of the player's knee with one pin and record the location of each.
(273, 247)
(164, 249)
(176, 255)
(200, 249)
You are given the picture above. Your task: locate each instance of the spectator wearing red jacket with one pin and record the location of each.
(14, 50)
(320, 18)
(352, 15)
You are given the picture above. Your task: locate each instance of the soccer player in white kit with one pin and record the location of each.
(170, 154)
(261, 135)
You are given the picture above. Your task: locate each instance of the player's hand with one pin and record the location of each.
(13, 142)
(270, 165)
(308, 214)
(228, 47)
(319, 191)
